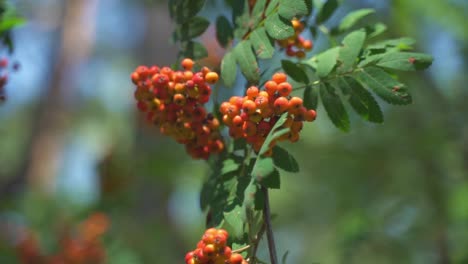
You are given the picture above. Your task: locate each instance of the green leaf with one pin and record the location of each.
(361, 100)
(262, 168)
(249, 195)
(229, 69)
(184, 10)
(326, 61)
(400, 44)
(233, 222)
(285, 256)
(274, 133)
(290, 9)
(242, 22)
(311, 98)
(354, 17)
(229, 166)
(247, 61)
(272, 181)
(326, 11)
(384, 85)
(279, 27)
(283, 160)
(405, 61)
(194, 50)
(294, 71)
(11, 22)
(224, 31)
(334, 107)
(192, 28)
(271, 7)
(262, 43)
(372, 59)
(352, 45)
(257, 12)
(375, 30)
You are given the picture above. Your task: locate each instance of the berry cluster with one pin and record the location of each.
(174, 101)
(212, 249)
(253, 116)
(296, 46)
(4, 63)
(82, 247)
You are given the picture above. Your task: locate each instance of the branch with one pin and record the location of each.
(269, 229)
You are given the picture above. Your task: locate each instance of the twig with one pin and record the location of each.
(269, 229)
(241, 249)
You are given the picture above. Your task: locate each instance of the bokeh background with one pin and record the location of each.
(71, 143)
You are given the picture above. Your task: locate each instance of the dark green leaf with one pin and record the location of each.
(250, 195)
(262, 43)
(283, 160)
(361, 100)
(405, 61)
(224, 31)
(247, 61)
(372, 59)
(326, 61)
(242, 22)
(279, 27)
(310, 6)
(194, 50)
(257, 12)
(192, 28)
(290, 9)
(334, 107)
(184, 10)
(228, 69)
(294, 71)
(384, 85)
(352, 45)
(354, 17)
(272, 181)
(311, 97)
(326, 11)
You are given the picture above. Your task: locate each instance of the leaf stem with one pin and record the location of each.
(241, 249)
(269, 229)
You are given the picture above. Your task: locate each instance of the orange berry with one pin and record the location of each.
(187, 64)
(252, 92)
(209, 250)
(284, 89)
(310, 115)
(294, 104)
(227, 120)
(249, 107)
(211, 77)
(294, 137)
(179, 99)
(271, 87)
(135, 77)
(307, 44)
(223, 108)
(237, 121)
(236, 258)
(281, 105)
(279, 77)
(237, 101)
(261, 102)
